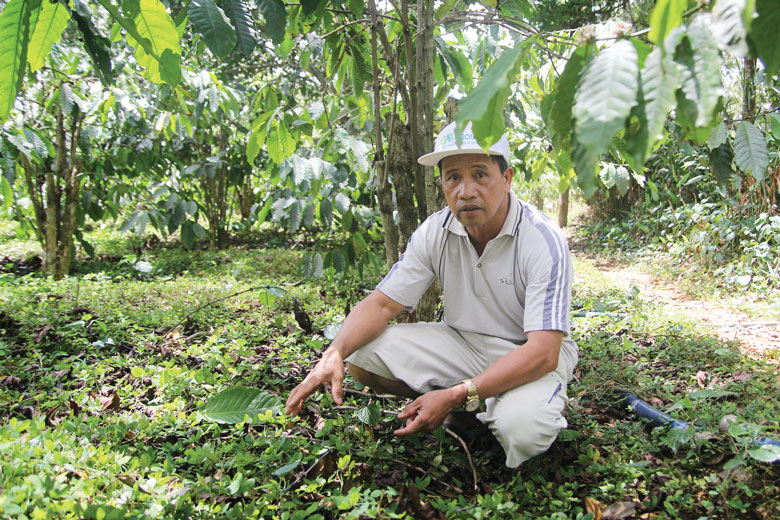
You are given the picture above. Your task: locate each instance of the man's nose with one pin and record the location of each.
(468, 189)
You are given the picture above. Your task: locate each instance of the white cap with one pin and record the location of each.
(446, 145)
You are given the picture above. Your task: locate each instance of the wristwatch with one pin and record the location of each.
(472, 397)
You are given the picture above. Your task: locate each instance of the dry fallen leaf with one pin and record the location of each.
(42, 332)
(701, 378)
(593, 506)
(110, 402)
(12, 382)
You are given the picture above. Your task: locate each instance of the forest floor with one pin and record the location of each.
(107, 378)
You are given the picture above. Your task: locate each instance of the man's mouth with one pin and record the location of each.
(469, 210)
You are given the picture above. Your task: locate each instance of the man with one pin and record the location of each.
(504, 339)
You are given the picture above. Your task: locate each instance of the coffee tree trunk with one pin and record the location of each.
(422, 133)
(749, 90)
(406, 188)
(563, 209)
(244, 198)
(55, 197)
(215, 191)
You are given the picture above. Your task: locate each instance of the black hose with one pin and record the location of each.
(658, 418)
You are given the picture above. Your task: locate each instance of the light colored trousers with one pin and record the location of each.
(427, 356)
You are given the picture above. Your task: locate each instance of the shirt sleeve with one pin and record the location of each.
(408, 279)
(549, 274)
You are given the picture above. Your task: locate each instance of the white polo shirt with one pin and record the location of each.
(520, 283)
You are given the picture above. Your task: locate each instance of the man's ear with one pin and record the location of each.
(509, 173)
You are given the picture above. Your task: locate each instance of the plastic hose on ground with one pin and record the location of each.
(658, 418)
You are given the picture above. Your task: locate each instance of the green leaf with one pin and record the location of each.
(302, 170)
(458, 63)
(37, 144)
(266, 298)
(718, 136)
(48, 30)
(339, 260)
(563, 97)
(96, 44)
(369, 414)
(358, 69)
(273, 144)
(177, 217)
(636, 135)
(263, 213)
(318, 266)
(734, 462)
(275, 15)
(310, 6)
(358, 244)
(14, 39)
(750, 150)
(710, 394)
(153, 24)
(720, 164)
(326, 212)
(484, 106)
(728, 26)
(209, 20)
(287, 468)
(774, 124)
(342, 203)
(585, 165)
(606, 93)
(700, 74)
(665, 16)
(7, 192)
(659, 82)
(617, 177)
(306, 265)
(765, 453)
(187, 234)
(308, 215)
(234, 404)
(241, 18)
(294, 215)
(764, 32)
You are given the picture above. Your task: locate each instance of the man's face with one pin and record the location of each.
(476, 190)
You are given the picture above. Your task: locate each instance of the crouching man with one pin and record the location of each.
(504, 339)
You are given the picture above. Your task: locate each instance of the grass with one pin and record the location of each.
(102, 408)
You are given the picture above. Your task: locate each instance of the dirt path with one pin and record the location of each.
(757, 341)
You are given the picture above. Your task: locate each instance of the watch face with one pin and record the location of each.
(472, 406)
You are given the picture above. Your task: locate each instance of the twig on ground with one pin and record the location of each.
(468, 455)
(371, 394)
(299, 479)
(171, 329)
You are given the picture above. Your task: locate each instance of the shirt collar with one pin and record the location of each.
(510, 226)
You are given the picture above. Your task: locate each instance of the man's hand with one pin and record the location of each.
(429, 410)
(329, 369)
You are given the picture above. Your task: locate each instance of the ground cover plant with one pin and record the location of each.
(106, 375)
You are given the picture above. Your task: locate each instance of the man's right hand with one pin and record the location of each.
(329, 370)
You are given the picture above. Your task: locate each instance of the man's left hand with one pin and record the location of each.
(429, 410)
